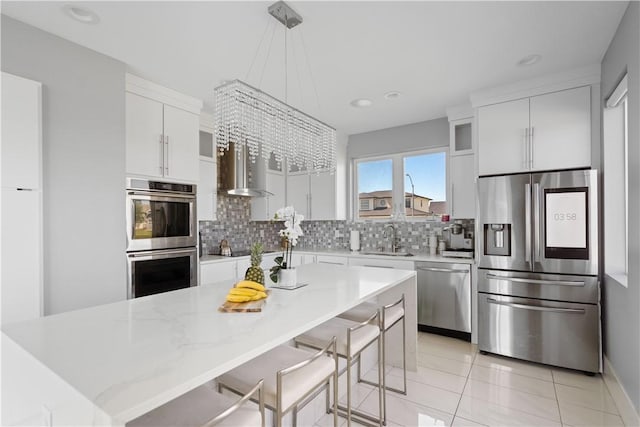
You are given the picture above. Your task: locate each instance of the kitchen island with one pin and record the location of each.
(109, 364)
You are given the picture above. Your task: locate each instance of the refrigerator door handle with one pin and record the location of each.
(537, 228)
(527, 222)
(535, 307)
(536, 281)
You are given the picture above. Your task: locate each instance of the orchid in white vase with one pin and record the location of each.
(291, 233)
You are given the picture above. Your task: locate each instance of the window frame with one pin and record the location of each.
(616, 125)
(397, 183)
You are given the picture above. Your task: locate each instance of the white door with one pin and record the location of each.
(21, 132)
(561, 129)
(463, 194)
(502, 141)
(21, 255)
(182, 144)
(144, 136)
(298, 193)
(322, 196)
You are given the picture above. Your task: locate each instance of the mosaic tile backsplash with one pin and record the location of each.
(234, 224)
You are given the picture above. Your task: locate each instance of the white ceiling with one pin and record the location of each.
(434, 53)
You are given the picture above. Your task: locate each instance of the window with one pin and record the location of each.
(616, 183)
(418, 178)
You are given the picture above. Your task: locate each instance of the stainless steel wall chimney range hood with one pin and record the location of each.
(239, 175)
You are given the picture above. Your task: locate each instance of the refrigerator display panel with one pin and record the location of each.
(567, 225)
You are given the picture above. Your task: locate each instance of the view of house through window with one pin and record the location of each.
(423, 186)
(375, 181)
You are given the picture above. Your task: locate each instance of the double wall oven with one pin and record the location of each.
(162, 230)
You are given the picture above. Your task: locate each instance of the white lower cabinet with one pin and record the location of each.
(381, 263)
(301, 259)
(332, 259)
(218, 272)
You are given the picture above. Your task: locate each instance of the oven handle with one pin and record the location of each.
(162, 252)
(535, 307)
(536, 281)
(161, 194)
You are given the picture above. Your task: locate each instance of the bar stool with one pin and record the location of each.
(391, 314)
(291, 376)
(204, 407)
(352, 339)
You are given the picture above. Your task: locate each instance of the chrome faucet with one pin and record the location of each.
(394, 238)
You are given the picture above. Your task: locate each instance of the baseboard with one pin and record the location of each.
(625, 406)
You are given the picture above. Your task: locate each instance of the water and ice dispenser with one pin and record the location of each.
(497, 239)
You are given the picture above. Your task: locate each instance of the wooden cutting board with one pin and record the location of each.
(244, 307)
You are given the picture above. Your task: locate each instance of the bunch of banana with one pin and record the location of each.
(246, 290)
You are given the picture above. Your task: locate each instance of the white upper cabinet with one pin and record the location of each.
(181, 140)
(144, 125)
(264, 208)
(21, 132)
(560, 134)
(545, 132)
(502, 140)
(162, 132)
(298, 193)
(460, 137)
(322, 196)
(463, 190)
(313, 195)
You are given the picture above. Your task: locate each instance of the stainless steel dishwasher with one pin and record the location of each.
(444, 298)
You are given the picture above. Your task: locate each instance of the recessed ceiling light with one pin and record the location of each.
(392, 95)
(361, 103)
(529, 60)
(81, 14)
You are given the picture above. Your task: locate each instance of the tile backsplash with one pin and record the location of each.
(234, 224)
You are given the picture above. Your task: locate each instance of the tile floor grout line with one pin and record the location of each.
(555, 391)
(466, 381)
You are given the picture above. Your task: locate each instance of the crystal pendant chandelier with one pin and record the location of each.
(269, 128)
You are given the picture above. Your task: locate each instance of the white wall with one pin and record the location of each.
(83, 164)
(416, 136)
(621, 320)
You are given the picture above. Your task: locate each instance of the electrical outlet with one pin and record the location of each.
(338, 234)
(261, 233)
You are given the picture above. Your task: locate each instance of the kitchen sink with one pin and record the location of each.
(388, 253)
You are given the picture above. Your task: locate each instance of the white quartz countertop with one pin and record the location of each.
(132, 356)
(208, 259)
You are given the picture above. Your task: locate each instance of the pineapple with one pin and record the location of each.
(255, 272)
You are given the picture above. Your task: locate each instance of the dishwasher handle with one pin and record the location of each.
(442, 270)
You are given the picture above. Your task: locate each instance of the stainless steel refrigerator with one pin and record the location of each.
(538, 276)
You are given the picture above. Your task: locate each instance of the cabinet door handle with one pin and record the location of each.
(442, 270)
(378, 266)
(531, 146)
(525, 142)
(452, 199)
(161, 154)
(166, 157)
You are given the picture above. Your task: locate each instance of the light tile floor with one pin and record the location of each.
(457, 386)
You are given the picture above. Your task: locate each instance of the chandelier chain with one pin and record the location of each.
(255, 56)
